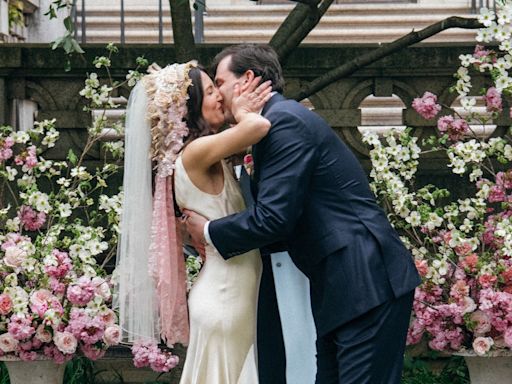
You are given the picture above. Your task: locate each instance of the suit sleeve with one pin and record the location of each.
(287, 159)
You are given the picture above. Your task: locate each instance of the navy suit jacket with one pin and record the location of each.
(312, 193)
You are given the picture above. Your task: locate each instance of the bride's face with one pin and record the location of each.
(211, 109)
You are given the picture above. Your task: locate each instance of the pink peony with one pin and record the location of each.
(482, 345)
(63, 265)
(5, 304)
(82, 292)
(20, 327)
(427, 105)
(31, 219)
(65, 342)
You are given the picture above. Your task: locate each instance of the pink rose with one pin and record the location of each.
(43, 335)
(8, 343)
(5, 304)
(65, 342)
(112, 335)
(483, 322)
(108, 317)
(482, 345)
(91, 352)
(39, 301)
(14, 257)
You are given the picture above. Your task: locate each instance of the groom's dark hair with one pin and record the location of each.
(260, 58)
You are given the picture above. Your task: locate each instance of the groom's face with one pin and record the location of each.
(225, 81)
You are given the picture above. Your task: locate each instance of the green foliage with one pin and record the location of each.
(419, 371)
(4, 377)
(16, 13)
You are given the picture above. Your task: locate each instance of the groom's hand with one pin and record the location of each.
(195, 227)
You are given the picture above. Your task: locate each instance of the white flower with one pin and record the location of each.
(11, 173)
(65, 210)
(20, 137)
(486, 17)
(414, 219)
(468, 102)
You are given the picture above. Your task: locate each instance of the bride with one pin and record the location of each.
(175, 114)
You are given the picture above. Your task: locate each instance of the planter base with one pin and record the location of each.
(34, 372)
(496, 368)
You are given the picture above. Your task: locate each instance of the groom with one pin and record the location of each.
(312, 194)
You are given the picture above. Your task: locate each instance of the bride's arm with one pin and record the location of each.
(205, 151)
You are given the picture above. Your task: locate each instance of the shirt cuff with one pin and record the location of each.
(206, 234)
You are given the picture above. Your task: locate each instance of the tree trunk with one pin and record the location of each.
(182, 30)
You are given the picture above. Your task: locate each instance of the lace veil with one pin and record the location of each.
(150, 271)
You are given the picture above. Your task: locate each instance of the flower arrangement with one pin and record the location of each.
(57, 221)
(462, 247)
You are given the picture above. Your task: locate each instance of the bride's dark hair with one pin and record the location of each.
(197, 125)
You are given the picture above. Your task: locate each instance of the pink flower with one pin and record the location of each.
(82, 292)
(53, 352)
(43, 335)
(427, 105)
(482, 322)
(65, 342)
(422, 267)
(31, 219)
(496, 195)
(147, 353)
(63, 264)
(28, 356)
(108, 317)
(5, 304)
(493, 100)
(486, 280)
(112, 335)
(455, 128)
(470, 262)
(20, 327)
(482, 345)
(91, 352)
(8, 343)
(14, 257)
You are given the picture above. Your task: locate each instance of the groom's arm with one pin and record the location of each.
(287, 158)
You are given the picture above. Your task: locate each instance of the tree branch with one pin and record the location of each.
(312, 3)
(294, 29)
(362, 61)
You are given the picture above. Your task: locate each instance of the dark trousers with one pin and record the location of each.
(271, 355)
(368, 349)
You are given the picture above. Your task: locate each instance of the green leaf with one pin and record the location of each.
(77, 46)
(68, 23)
(72, 157)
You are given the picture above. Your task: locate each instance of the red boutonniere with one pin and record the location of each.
(248, 163)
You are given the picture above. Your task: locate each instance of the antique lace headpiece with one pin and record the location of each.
(167, 91)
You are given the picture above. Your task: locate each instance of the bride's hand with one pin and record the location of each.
(251, 99)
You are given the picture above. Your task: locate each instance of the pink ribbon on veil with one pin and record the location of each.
(167, 265)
